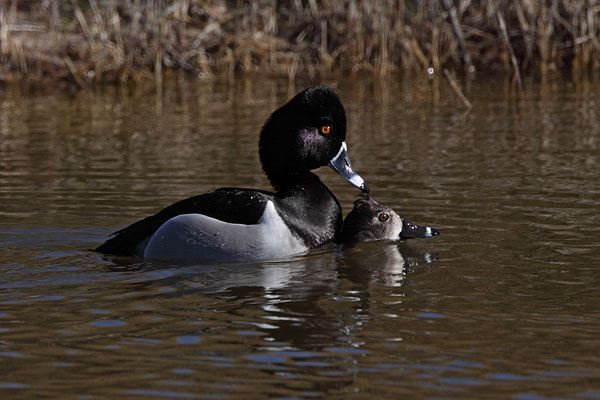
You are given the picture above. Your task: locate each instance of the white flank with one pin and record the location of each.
(196, 237)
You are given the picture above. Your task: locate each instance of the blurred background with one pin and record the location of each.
(116, 41)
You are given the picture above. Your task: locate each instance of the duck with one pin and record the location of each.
(237, 224)
(371, 221)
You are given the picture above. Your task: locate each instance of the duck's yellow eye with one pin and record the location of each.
(325, 129)
(383, 216)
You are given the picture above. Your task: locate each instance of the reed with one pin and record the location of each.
(119, 41)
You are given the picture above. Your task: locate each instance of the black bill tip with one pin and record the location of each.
(410, 231)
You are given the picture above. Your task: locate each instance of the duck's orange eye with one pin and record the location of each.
(383, 216)
(325, 129)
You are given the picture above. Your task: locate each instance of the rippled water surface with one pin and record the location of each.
(503, 304)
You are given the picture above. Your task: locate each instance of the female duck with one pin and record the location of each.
(370, 221)
(247, 224)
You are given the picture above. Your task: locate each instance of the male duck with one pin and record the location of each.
(231, 224)
(370, 221)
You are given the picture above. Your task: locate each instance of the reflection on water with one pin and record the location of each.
(503, 303)
(383, 263)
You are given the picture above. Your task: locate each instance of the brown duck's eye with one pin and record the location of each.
(325, 129)
(383, 216)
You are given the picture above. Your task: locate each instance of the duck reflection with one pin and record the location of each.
(320, 313)
(330, 301)
(324, 299)
(383, 264)
(375, 263)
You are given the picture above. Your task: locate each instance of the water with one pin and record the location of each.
(503, 304)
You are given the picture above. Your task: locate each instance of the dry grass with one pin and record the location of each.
(117, 41)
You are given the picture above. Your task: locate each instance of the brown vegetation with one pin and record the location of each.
(115, 41)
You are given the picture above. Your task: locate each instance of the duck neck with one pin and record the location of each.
(310, 208)
(294, 183)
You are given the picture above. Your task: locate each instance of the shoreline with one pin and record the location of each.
(102, 42)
